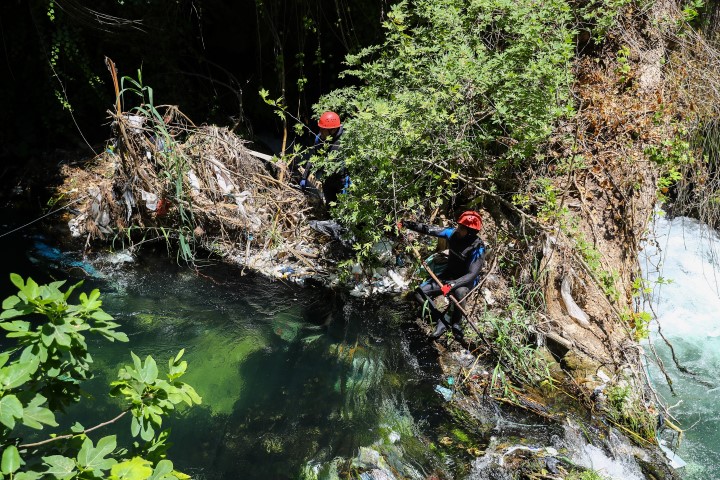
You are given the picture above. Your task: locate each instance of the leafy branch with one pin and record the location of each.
(42, 372)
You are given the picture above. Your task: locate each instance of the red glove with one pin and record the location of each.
(445, 289)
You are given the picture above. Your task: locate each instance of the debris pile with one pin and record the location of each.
(162, 179)
(206, 190)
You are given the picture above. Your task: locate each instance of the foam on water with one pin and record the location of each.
(687, 253)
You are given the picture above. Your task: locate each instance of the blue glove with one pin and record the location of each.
(303, 184)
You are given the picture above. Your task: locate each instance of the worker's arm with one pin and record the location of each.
(428, 229)
(307, 160)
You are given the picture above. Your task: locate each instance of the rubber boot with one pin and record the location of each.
(443, 322)
(439, 330)
(457, 331)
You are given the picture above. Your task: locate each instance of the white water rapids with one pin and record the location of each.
(686, 253)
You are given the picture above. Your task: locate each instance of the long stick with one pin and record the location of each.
(440, 283)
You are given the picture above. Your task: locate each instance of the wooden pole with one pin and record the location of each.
(440, 283)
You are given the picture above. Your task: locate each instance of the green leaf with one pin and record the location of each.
(61, 467)
(136, 469)
(17, 280)
(192, 394)
(149, 372)
(31, 290)
(135, 426)
(101, 315)
(10, 409)
(179, 355)
(93, 458)
(28, 476)
(77, 427)
(111, 334)
(12, 312)
(18, 373)
(70, 290)
(163, 470)
(55, 333)
(11, 460)
(16, 326)
(11, 302)
(147, 432)
(34, 415)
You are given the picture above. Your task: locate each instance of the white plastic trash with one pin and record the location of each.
(150, 199)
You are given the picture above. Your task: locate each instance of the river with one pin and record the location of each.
(685, 255)
(294, 382)
(310, 383)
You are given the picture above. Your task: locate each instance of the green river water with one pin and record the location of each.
(290, 378)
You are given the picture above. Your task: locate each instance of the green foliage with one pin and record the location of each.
(41, 373)
(692, 9)
(639, 321)
(66, 57)
(586, 475)
(623, 60)
(458, 88)
(510, 339)
(628, 411)
(671, 156)
(599, 16)
(149, 396)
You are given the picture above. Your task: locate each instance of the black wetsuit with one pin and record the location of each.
(464, 264)
(338, 181)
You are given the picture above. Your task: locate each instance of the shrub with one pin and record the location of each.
(458, 89)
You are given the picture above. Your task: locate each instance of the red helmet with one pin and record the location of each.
(470, 219)
(329, 120)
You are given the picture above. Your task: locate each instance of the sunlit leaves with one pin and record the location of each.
(458, 89)
(93, 457)
(134, 469)
(10, 410)
(11, 460)
(149, 396)
(42, 373)
(16, 374)
(35, 414)
(59, 467)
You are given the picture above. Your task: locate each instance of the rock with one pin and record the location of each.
(376, 474)
(579, 364)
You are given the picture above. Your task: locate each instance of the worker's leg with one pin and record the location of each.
(456, 319)
(425, 294)
(332, 187)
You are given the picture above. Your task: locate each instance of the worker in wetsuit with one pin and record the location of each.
(327, 142)
(465, 261)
